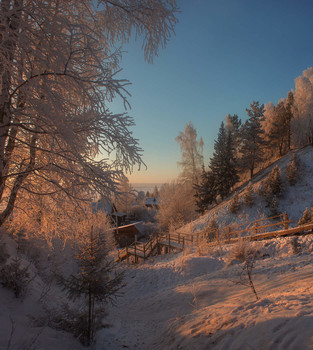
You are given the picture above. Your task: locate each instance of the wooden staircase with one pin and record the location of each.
(252, 231)
(140, 250)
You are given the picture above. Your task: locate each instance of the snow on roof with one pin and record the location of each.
(152, 201)
(136, 224)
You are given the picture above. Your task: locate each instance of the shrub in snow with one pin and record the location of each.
(249, 196)
(142, 213)
(273, 184)
(234, 204)
(306, 217)
(69, 319)
(272, 189)
(177, 205)
(247, 254)
(3, 253)
(293, 170)
(211, 230)
(15, 277)
(273, 206)
(296, 247)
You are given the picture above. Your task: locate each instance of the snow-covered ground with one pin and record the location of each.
(187, 301)
(184, 300)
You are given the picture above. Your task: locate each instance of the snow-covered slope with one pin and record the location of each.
(293, 201)
(186, 301)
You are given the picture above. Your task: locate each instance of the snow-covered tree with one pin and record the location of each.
(249, 195)
(222, 163)
(95, 284)
(306, 217)
(289, 111)
(235, 203)
(253, 142)
(177, 205)
(192, 158)
(125, 197)
(59, 62)
(205, 192)
(233, 125)
(293, 172)
(302, 123)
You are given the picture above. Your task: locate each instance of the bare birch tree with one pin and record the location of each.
(192, 154)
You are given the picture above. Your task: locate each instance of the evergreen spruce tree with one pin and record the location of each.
(95, 284)
(252, 152)
(293, 170)
(223, 163)
(234, 204)
(280, 129)
(249, 195)
(234, 126)
(205, 192)
(289, 106)
(306, 217)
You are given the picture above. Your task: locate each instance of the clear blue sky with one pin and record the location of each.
(226, 53)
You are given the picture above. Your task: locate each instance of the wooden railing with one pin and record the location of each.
(236, 230)
(231, 233)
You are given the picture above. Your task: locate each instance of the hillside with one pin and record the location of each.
(293, 201)
(187, 301)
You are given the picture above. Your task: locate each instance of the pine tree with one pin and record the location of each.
(95, 284)
(234, 204)
(249, 196)
(289, 111)
(234, 126)
(222, 163)
(252, 152)
(280, 128)
(293, 170)
(205, 192)
(306, 217)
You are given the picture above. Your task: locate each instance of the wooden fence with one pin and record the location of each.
(253, 230)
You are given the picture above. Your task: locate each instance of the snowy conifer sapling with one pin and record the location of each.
(95, 284)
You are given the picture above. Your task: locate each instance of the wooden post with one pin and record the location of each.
(127, 254)
(183, 242)
(144, 252)
(135, 252)
(229, 231)
(169, 242)
(197, 239)
(178, 237)
(256, 227)
(286, 221)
